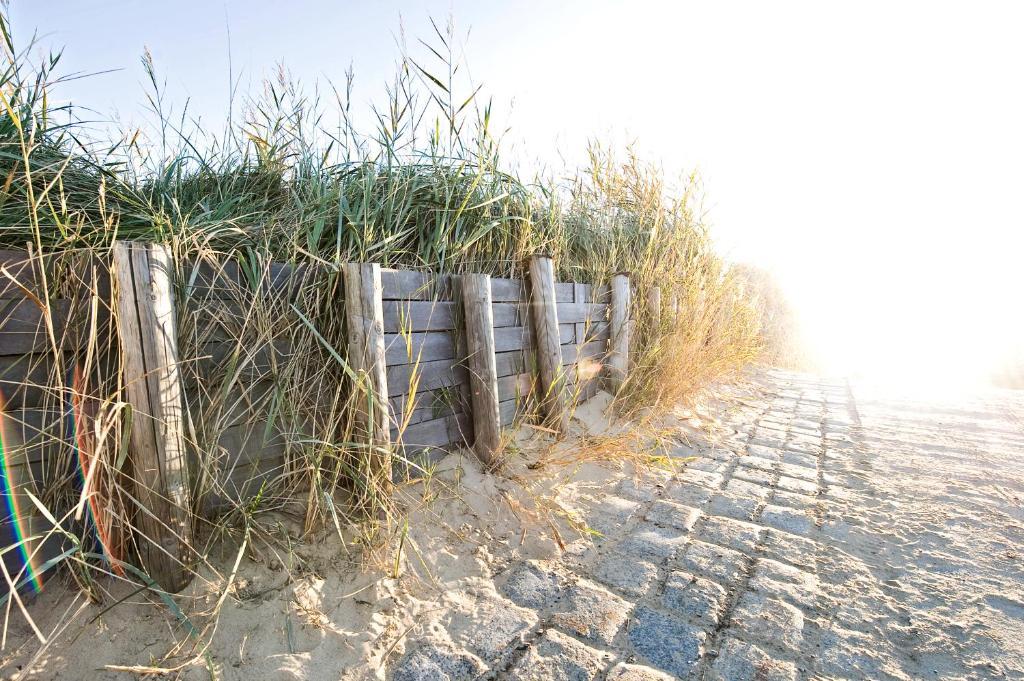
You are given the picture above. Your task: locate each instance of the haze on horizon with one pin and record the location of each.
(868, 155)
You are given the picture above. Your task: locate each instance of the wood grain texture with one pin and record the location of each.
(145, 324)
(414, 378)
(618, 344)
(481, 363)
(364, 315)
(444, 432)
(571, 313)
(414, 285)
(421, 315)
(418, 346)
(546, 335)
(23, 326)
(409, 410)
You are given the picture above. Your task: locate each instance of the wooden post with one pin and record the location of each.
(618, 347)
(149, 353)
(483, 373)
(673, 306)
(364, 311)
(549, 351)
(654, 306)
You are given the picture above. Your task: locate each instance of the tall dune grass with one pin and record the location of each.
(428, 188)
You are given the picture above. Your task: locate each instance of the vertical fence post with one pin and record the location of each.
(365, 319)
(673, 307)
(618, 350)
(654, 306)
(483, 372)
(149, 352)
(549, 351)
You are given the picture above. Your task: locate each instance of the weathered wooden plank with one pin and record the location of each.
(507, 290)
(239, 361)
(507, 412)
(427, 376)
(455, 430)
(518, 337)
(148, 338)
(420, 346)
(212, 320)
(208, 278)
(483, 377)
(405, 317)
(247, 443)
(618, 344)
(564, 292)
(19, 272)
(509, 363)
(546, 333)
(39, 435)
(365, 321)
(410, 316)
(424, 406)
(245, 458)
(511, 338)
(571, 313)
(240, 404)
(227, 280)
(579, 294)
(597, 331)
(516, 386)
(29, 380)
(287, 280)
(415, 285)
(573, 353)
(23, 326)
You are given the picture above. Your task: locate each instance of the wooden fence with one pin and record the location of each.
(453, 360)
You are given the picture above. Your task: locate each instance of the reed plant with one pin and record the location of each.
(428, 188)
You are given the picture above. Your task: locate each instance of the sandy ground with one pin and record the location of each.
(791, 528)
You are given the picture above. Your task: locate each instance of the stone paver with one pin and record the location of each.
(822, 536)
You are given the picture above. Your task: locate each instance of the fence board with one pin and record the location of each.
(516, 386)
(440, 432)
(419, 346)
(408, 316)
(432, 375)
(572, 354)
(414, 285)
(427, 405)
(510, 363)
(250, 363)
(244, 403)
(227, 280)
(23, 326)
(17, 272)
(28, 380)
(570, 313)
(507, 412)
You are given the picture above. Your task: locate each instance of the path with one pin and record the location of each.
(835, 533)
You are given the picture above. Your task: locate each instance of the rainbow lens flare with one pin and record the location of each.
(91, 474)
(19, 513)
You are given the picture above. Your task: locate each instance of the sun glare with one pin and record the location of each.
(944, 322)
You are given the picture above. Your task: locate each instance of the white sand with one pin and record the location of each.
(333, 615)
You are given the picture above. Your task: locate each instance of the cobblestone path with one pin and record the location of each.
(832, 533)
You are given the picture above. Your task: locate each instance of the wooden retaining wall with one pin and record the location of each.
(245, 333)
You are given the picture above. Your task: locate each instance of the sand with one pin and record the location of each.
(327, 611)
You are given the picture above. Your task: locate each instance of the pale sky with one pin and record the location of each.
(871, 154)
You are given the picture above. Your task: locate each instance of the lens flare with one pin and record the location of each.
(18, 518)
(90, 472)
